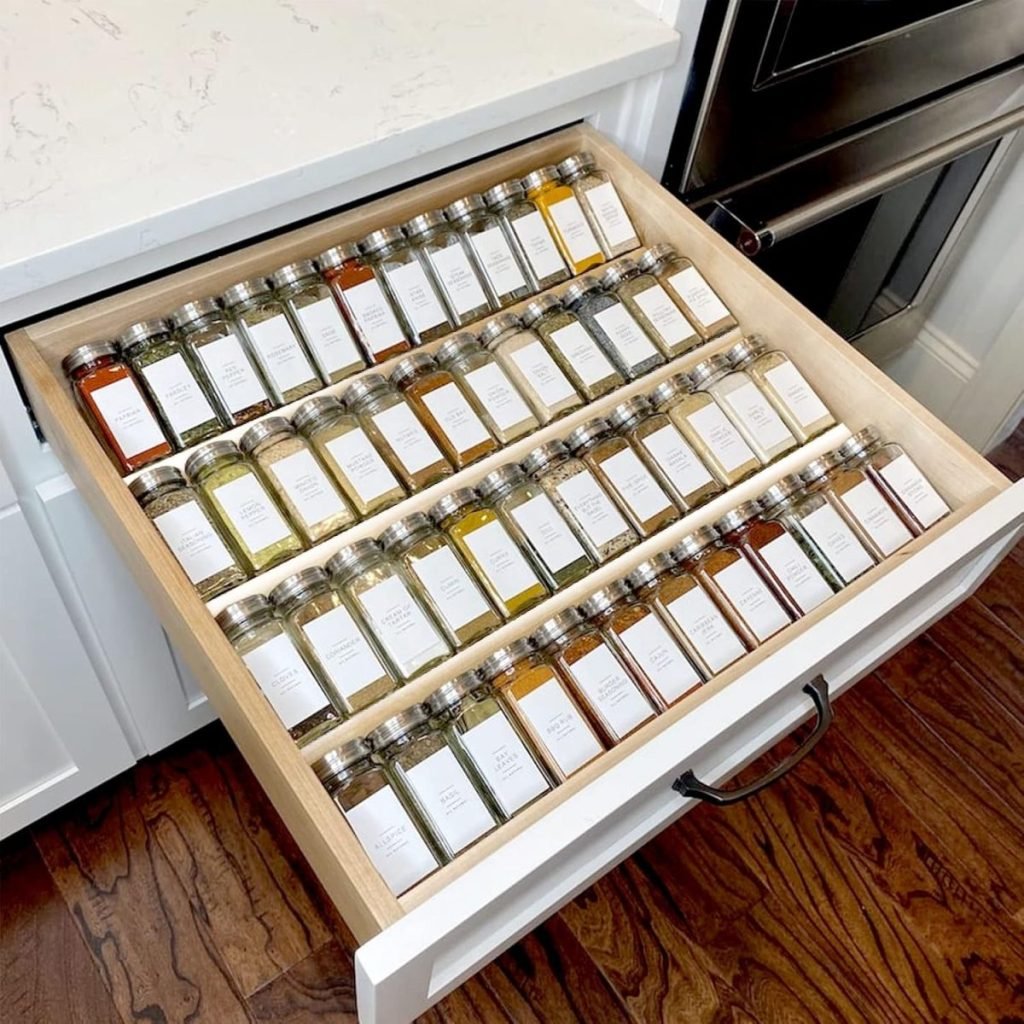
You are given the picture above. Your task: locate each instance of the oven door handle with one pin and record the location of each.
(753, 240)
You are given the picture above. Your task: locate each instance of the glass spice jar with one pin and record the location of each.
(291, 469)
(489, 742)
(581, 499)
(689, 289)
(382, 818)
(448, 587)
(783, 385)
(754, 610)
(423, 766)
(580, 358)
(508, 576)
(378, 588)
(202, 549)
(448, 262)
(411, 291)
(208, 335)
(708, 430)
(396, 432)
(643, 641)
(528, 234)
(336, 435)
(600, 678)
(745, 404)
(539, 700)
(176, 387)
(115, 407)
(497, 401)
(643, 500)
(281, 672)
(601, 204)
(896, 473)
(536, 525)
(316, 317)
(343, 656)
(359, 293)
(531, 367)
(241, 503)
(287, 367)
(798, 583)
(561, 210)
(660, 318)
(504, 276)
(664, 450)
(614, 328)
(443, 408)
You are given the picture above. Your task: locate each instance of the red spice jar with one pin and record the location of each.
(117, 410)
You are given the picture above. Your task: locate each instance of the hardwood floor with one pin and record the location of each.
(882, 881)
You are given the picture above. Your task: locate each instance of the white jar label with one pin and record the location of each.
(796, 394)
(867, 505)
(699, 296)
(560, 726)
(599, 519)
(193, 541)
(252, 513)
(837, 542)
(311, 492)
(753, 601)
(408, 438)
(498, 395)
(125, 412)
(457, 277)
(329, 335)
(763, 423)
(285, 680)
(721, 437)
(582, 353)
(232, 373)
(391, 841)
(445, 579)
(707, 629)
(449, 800)
(571, 224)
(677, 460)
(535, 238)
(633, 346)
(548, 533)
(498, 260)
(665, 316)
(634, 482)
(501, 561)
(416, 296)
(796, 572)
(180, 397)
(398, 623)
(362, 465)
(536, 365)
(504, 763)
(611, 691)
(660, 659)
(344, 652)
(913, 488)
(456, 418)
(609, 212)
(374, 317)
(281, 353)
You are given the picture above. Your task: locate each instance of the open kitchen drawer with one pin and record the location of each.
(421, 945)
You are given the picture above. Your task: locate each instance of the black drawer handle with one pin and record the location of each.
(689, 785)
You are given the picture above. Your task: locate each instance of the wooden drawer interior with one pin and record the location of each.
(856, 392)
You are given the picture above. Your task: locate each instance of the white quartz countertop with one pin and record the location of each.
(131, 125)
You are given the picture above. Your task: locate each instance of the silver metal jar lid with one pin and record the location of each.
(819, 468)
(857, 444)
(497, 326)
(381, 239)
(331, 259)
(292, 272)
(424, 222)
(410, 366)
(746, 348)
(465, 206)
(694, 542)
(648, 571)
(272, 426)
(352, 558)
(244, 290)
(780, 491)
(629, 411)
(83, 354)
(297, 587)
(365, 387)
(503, 191)
(500, 480)
(314, 411)
(209, 453)
(189, 312)
(504, 658)
(737, 516)
(621, 270)
(248, 611)
(540, 176)
(150, 480)
(452, 503)
(449, 694)
(603, 599)
(577, 289)
(654, 254)
(141, 332)
(557, 626)
(543, 455)
(576, 164)
(537, 307)
(708, 368)
(406, 527)
(397, 726)
(337, 762)
(456, 347)
(587, 432)
(678, 384)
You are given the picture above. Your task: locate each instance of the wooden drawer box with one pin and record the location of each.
(421, 945)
